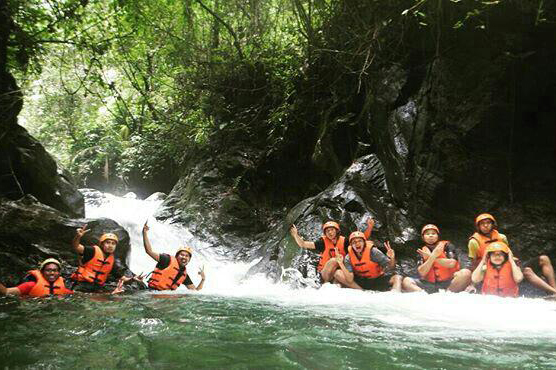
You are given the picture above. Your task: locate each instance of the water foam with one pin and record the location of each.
(443, 313)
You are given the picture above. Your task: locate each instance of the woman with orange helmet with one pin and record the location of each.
(170, 271)
(486, 233)
(44, 281)
(366, 267)
(327, 246)
(439, 267)
(498, 271)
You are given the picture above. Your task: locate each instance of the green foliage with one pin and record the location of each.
(128, 88)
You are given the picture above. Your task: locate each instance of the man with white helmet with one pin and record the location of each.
(170, 271)
(44, 281)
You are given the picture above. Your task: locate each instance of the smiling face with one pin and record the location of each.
(486, 226)
(497, 258)
(183, 258)
(331, 232)
(51, 272)
(430, 237)
(109, 246)
(357, 244)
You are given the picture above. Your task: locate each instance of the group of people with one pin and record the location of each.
(355, 262)
(358, 263)
(96, 263)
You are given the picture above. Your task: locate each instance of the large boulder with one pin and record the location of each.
(25, 166)
(361, 192)
(31, 232)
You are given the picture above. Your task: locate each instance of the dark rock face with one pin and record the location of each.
(362, 192)
(453, 132)
(25, 166)
(31, 232)
(209, 199)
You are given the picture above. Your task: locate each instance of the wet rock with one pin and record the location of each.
(362, 192)
(156, 197)
(26, 168)
(31, 232)
(212, 199)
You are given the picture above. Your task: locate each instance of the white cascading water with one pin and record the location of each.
(444, 313)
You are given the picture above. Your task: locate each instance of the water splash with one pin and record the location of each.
(443, 314)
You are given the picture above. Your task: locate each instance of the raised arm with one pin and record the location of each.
(391, 256)
(517, 274)
(76, 243)
(147, 244)
(370, 226)
(200, 286)
(479, 273)
(300, 242)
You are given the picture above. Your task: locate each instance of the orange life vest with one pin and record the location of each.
(329, 251)
(43, 287)
(96, 270)
(500, 282)
(365, 267)
(439, 273)
(484, 241)
(169, 278)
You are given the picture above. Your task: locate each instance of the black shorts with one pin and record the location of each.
(381, 284)
(429, 287)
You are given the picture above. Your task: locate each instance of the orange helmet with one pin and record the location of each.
(330, 224)
(357, 234)
(107, 236)
(186, 249)
(430, 227)
(484, 216)
(498, 247)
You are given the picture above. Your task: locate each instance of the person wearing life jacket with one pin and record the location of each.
(365, 267)
(439, 267)
(327, 245)
(96, 262)
(44, 281)
(170, 271)
(498, 271)
(487, 232)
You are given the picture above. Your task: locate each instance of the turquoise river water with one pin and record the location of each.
(251, 323)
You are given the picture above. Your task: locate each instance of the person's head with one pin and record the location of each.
(183, 255)
(485, 223)
(357, 241)
(430, 234)
(331, 229)
(497, 253)
(50, 269)
(108, 242)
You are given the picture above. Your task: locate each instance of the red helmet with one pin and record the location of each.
(484, 216)
(357, 234)
(330, 224)
(430, 227)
